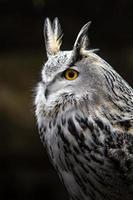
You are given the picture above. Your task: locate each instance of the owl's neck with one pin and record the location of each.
(117, 110)
(113, 110)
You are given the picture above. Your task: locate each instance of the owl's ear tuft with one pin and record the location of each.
(53, 35)
(82, 40)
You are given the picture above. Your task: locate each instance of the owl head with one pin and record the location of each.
(77, 73)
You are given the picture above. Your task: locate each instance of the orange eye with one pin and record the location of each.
(71, 74)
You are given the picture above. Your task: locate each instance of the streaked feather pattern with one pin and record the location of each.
(86, 124)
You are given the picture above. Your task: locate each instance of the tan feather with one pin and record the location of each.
(53, 35)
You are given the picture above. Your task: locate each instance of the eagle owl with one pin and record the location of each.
(84, 112)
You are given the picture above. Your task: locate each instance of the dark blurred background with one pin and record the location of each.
(25, 170)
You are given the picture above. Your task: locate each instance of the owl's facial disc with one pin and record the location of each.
(62, 83)
(60, 73)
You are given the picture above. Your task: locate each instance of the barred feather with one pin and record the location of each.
(86, 124)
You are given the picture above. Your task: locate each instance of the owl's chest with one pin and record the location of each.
(80, 159)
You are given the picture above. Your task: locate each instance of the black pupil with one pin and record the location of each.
(71, 74)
